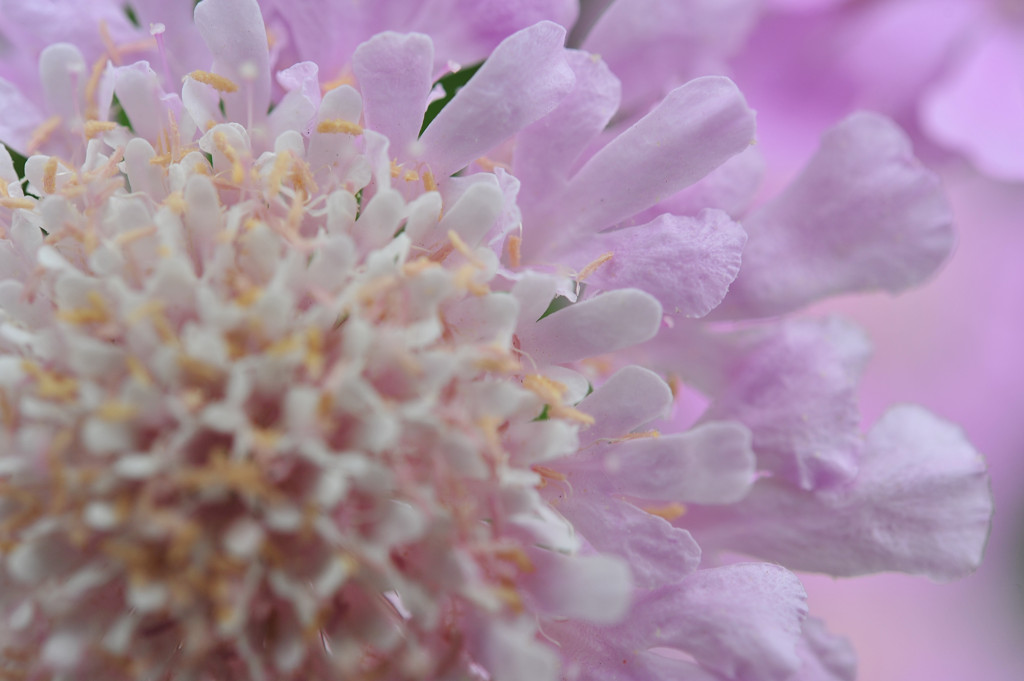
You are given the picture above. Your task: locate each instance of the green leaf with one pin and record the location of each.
(557, 303)
(452, 83)
(19, 162)
(129, 12)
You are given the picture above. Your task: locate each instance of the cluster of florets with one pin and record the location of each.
(296, 383)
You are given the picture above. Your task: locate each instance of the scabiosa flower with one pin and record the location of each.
(296, 386)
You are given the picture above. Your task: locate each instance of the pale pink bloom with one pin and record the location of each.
(284, 398)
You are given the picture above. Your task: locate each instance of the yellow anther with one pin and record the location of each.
(396, 169)
(50, 175)
(549, 473)
(117, 411)
(517, 556)
(669, 512)
(138, 371)
(414, 267)
(490, 164)
(459, 245)
(42, 133)
(94, 128)
(545, 388)
(561, 411)
(4, 194)
(647, 434)
(176, 202)
(93, 313)
(160, 160)
(339, 125)
(277, 174)
(50, 385)
(464, 279)
(411, 176)
(15, 203)
(92, 85)
(429, 183)
(344, 78)
(133, 235)
(515, 253)
(109, 44)
(198, 370)
(215, 80)
(592, 267)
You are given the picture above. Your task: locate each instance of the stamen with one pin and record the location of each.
(429, 184)
(214, 80)
(339, 125)
(515, 245)
(94, 128)
(50, 176)
(669, 512)
(459, 245)
(42, 133)
(109, 44)
(92, 85)
(19, 202)
(592, 267)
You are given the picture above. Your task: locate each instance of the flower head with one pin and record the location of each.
(296, 382)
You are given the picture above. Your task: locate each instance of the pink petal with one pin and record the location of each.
(694, 130)
(979, 107)
(593, 588)
(741, 621)
(921, 504)
(18, 116)
(630, 398)
(608, 322)
(524, 78)
(710, 464)
(795, 388)
(465, 31)
(863, 215)
(686, 263)
(658, 553)
(394, 73)
(655, 45)
(63, 71)
(239, 54)
(827, 657)
(138, 90)
(546, 151)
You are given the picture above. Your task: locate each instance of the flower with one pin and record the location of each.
(300, 383)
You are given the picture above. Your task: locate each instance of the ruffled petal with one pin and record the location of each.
(524, 79)
(655, 45)
(795, 388)
(695, 129)
(826, 657)
(394, 73)
(710, 464)
(686, 263)
(742, 621)
(863, 215)
(658, 553)
(920, 504)
(239, 54)
(605, 323)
